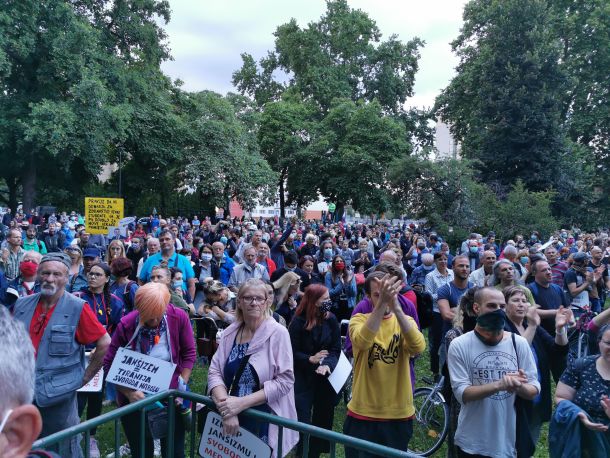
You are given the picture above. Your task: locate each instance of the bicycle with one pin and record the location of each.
(431, 422)
(578, 335)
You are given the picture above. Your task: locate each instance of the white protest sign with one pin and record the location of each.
(140, 372)
(215, 444)
(95, 384)
(124, 225)
(339, 376)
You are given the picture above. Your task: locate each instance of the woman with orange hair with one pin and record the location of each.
(316, 346)
(162, 331)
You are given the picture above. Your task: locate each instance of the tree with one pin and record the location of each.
(69, 72)
(335, 67)
(504, 104)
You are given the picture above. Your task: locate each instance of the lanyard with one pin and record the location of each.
(100, 311)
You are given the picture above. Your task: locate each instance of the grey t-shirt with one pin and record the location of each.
(488, 426)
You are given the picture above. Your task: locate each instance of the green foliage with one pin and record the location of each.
(340, 118)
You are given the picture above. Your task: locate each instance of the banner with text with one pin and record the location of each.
(140, 372)
(243, 444)
(101, 213)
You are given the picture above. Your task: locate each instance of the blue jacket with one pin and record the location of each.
(569, 438)
(336, 290)
(225, 268)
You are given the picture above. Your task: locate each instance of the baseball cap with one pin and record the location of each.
(91, 252)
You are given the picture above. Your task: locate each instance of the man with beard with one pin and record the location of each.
(54, 240)
(489, 368)
(60, 355)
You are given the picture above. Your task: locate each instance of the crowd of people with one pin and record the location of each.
(496, 315)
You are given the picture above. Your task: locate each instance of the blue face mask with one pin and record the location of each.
(328, 252)
(177, 284)
(524, 260)
(474, 249)
(428, 267)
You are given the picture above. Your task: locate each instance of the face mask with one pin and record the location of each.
(261, 254)
(328, 252)
(524, 260)
(474, 249)
(428, 267)
(290, 269)
(207, 257)
(492, 321)
(325, 306)
(135, 246)
(177, 284)
(28, 268)
(564, 235)
(339, 266)
(224, 240)
(534, 238)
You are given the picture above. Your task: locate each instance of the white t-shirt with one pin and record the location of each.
(488, 426)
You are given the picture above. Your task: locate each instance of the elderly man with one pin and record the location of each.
(20, 421)
(418, 276)
(480, 277)
(247, 270)
(222, 260)
(152, 247)
(60, 352)
(170, 258)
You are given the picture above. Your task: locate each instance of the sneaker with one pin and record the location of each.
(94, 451)
(157, 447)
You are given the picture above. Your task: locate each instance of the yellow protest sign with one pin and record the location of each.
(102, 213)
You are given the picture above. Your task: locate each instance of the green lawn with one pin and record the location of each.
(105, 434)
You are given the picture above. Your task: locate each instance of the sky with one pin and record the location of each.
(207, 37)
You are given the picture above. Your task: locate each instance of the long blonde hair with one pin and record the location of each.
(283, 284)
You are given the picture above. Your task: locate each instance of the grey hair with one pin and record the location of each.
(510, 250)
(17, 363)
(429, 257)
(495, 279)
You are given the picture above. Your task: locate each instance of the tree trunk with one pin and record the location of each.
(29, 185)
(11, 184)
(282, 197)
(338, 212)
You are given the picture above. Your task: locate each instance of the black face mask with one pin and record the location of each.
(325, 307)
(493, 322)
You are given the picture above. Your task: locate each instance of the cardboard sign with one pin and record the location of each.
(101, 213)
(339, 376)
(244, 444)
(140, 372)
(95, 384)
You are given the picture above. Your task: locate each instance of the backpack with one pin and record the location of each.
(425, 311)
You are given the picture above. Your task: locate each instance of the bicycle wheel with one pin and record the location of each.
(431, 422)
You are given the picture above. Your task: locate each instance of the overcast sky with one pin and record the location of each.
(207, 37)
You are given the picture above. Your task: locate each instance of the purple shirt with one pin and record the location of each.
(181, 336)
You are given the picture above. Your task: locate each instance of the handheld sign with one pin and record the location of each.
(339, 376)
(140, 372)
(101, 213)
(95, 384)
(244, 443)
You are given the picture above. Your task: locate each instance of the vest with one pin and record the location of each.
(60, 362)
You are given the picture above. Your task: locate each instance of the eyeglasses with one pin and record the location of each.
(95, 275)
(254, 299)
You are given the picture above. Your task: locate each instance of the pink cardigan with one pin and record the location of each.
(271, 357)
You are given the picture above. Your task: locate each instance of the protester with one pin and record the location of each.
(122, 287)
(523, 320)
(253, 368)
(488, 368)
(381, 407)
(219, 303)
(61, 351)
(27, 282)
(307, 272)
(248, 270)
(316, 346)
(12, 255)
(341, 284)
(116, 249)
(163, 275)
(286, 291)
(580, 423)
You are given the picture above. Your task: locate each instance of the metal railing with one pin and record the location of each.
(140, 406)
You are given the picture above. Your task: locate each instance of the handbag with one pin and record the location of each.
(203, 413)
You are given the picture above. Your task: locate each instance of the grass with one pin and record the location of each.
(105, 433)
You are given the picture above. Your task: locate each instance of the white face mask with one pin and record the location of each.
(5, 419)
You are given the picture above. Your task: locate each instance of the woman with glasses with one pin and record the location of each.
(108, 310)
(253, 368)
(316, 346)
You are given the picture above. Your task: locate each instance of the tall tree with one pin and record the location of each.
(335, 66)
(504, 104)
(68, 72)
